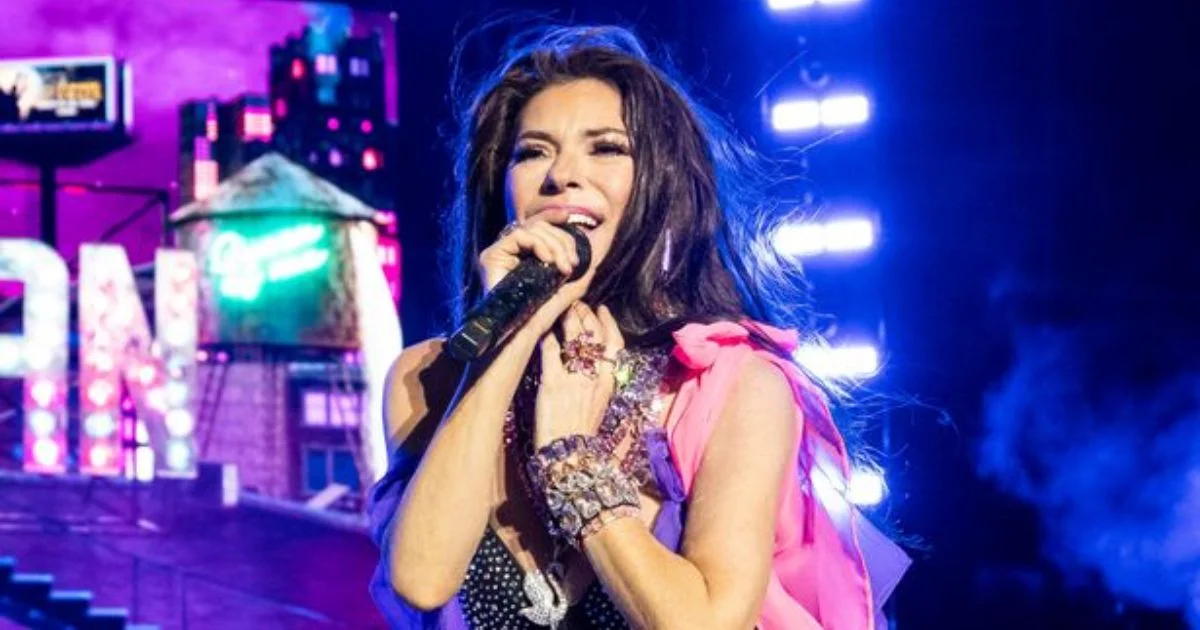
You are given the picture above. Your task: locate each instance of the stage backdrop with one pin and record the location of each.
(179, 50)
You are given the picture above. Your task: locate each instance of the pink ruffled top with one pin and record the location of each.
(819, 576)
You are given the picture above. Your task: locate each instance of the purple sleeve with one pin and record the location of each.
(382, 507)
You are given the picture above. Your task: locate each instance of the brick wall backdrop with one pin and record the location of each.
(248, 425)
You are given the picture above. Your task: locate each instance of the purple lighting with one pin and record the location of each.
(218, 50)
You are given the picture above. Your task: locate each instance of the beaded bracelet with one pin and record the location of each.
(584, 489)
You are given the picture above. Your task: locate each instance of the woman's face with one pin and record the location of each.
(571, 161)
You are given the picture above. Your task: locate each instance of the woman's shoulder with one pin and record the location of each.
(419, 354)
(424, 361)
(421, 384)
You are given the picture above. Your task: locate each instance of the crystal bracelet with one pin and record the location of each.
(583, 487)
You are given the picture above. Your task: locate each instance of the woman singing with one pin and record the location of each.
(641, 452)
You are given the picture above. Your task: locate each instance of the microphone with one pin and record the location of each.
(513, 301)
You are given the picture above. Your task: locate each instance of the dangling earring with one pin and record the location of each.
(666, 258)
(661, 306)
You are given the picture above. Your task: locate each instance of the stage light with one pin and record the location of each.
(829, 488)
(156, 400)
(144, 464)
(147, 374)
(177, 393)
(257, 125)
(37, 356)
(849, 235)
(326, 64)
(42, 423)
(46, 452)
(179, 455)
(851, 361)
(40, 337)
(102, 361)
(335, 158)
(123, 313)
(178, 334)
(180, 422)
(297, 69)
(837, 112)
(42, 392)
(43, 305)
(867, 487)
(796, 115)
(139, 360)
(792, 5)
(845, 111)
(333, 124)
(205, 175)
(100, 456)
(370, 159)
(799, 239)
(99, 392)
(838, 236)
(99, 424)
(10, 355)
(366, 126)
(787, 5)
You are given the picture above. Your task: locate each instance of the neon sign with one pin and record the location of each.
(240, 266)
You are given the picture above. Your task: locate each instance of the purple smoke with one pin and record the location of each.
(1106, 442)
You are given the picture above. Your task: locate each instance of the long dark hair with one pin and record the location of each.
(701, 200)
(690, 246)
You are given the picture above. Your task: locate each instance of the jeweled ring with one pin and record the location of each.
(581, 354)
(508, 229)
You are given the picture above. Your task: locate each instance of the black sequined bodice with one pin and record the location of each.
(492, 595)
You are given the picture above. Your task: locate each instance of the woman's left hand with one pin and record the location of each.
(570, 403)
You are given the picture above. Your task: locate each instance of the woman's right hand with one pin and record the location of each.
(550, 244)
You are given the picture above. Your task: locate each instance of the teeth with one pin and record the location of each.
(582, 219)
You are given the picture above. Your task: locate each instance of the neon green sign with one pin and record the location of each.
(241, 266)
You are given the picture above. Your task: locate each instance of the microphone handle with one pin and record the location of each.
(508, 306)
(514, 300)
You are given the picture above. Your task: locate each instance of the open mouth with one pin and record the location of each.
(583, 221)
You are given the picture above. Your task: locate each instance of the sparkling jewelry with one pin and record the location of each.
(548, 602)
(580, 483)
(635, 405)
(581, 354)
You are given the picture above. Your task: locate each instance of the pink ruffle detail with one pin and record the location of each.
(818, 579)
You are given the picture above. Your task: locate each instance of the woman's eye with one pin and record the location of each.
(610, 148)
(525, 153)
